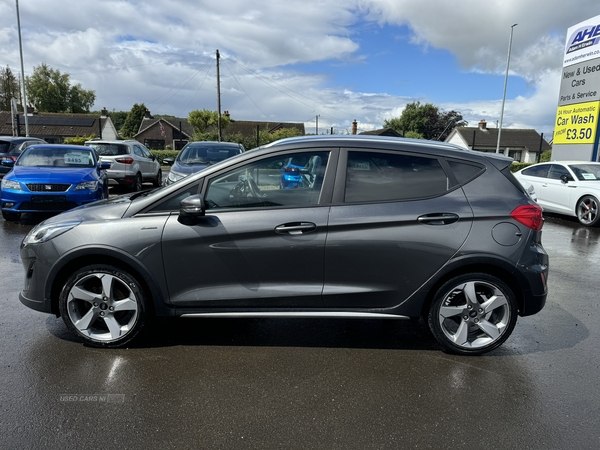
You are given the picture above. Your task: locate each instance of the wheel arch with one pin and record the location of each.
(500, 269)
(85, 257)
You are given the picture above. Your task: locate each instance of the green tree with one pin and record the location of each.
(49, 90)
(205, 124)
(9, 89)
(264, 137)
(133, 121)
(118, 118)
(426, 120)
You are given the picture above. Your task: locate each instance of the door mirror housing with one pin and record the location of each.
(191, 209)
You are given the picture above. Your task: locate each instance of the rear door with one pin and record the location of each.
(395, 220)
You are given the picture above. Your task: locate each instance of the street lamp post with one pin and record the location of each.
(505, 83)
(22, 73)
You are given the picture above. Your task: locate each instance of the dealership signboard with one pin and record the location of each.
(576, 128)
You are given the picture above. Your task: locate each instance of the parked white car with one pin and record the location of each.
(571, 188)
(131, 163)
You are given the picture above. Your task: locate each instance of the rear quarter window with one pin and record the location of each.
(465, 172)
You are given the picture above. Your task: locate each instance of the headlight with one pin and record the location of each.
(87, 185)
(174, 176)
(44, 232)
(9, 184)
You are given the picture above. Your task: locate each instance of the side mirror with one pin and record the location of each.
(168, 161)
(8, 162)
(191, 209)
(103, 165)
(565, 178)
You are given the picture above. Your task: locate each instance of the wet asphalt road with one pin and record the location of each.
(267, 383)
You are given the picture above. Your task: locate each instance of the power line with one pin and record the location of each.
(242, 87)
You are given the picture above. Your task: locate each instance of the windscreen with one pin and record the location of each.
(206, 154)
(56, 157)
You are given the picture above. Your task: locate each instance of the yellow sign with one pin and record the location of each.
(576, 124)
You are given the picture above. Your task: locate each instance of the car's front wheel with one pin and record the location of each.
(104, 305)
(587, 211)
(11, 216)
(472, 314)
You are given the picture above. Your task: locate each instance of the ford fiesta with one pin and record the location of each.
(388, 229)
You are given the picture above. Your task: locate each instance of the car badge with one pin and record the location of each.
(48, 187)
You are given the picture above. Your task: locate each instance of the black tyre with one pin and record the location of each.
(11, 216)
(104, 305)
(137, 183)
(472, 314)
(158, 180)
(587, 211)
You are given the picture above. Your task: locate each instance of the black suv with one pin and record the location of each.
(382, 228)
(12, 147)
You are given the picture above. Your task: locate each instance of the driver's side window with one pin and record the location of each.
(293, 179)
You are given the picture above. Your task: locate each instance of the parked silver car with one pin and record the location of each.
(131, 162)
(387, 229)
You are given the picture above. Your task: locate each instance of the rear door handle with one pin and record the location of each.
(438, 219)
(295, 228)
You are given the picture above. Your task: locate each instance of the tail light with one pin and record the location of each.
(291, 169)
(529, 215)
(14, 158)
(127, 160)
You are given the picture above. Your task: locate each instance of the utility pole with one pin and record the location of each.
(22, 73)
(218, 99)
(317, 126)
(505, 83)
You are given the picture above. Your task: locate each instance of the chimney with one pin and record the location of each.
(354, 126)
(147, 114)
(104, 113)
(482, 124)
(226, 113)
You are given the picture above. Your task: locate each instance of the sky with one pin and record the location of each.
(328, 61)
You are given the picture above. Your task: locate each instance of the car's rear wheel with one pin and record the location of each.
(472, 314)
(11, 216)
(158, 179)
(104, 305)
(137, 183)
(587, 211)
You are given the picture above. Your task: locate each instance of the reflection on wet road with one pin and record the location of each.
(266, 383)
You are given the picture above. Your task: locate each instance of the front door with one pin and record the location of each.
(258, 245)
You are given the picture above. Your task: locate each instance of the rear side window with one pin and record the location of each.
(109, 149)
(4, 147)
(537, 171)
(373, 176)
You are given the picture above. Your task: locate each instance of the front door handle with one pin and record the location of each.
(296, 228)
(438, 219)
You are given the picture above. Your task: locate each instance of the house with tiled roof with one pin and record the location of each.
(382, 132)
(176, 132)
(159, 133)
(54, 128)
(523, 145)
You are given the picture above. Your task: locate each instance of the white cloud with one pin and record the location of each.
(161, 53)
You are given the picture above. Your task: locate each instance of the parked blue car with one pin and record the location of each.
(300, 172)
(52, 178)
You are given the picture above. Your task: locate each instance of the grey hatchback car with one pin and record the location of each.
(387, 228)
